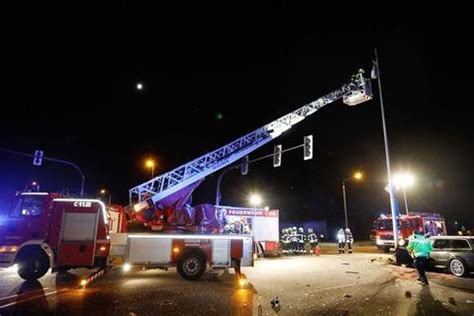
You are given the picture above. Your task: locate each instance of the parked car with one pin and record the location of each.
(453, 253)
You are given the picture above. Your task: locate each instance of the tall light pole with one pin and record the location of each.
(376, 75)
(404, 181)
(255, 200)
(103, 192)
(357, 176)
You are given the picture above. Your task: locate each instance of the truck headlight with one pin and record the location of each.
(401, 242)
(126, 267)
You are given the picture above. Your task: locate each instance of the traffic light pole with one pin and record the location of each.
(221, 175)
(83, 178)
(218, 189)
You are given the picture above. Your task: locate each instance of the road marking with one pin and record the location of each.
(12, 296)
(30, 298)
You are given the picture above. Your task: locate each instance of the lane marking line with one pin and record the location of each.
(31, 298)
(24, 293)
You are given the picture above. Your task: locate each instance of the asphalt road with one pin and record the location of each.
(330, 284)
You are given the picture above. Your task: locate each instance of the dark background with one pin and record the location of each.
(67, 86)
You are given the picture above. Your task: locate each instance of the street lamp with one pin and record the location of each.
(150, 163)
(103, 192)
(356, 176)
(255, 200)
(404, 180)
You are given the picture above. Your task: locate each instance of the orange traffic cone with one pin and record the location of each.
(318, 250)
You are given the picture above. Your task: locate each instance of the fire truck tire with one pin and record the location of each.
(33, 263)
(191, 265)
(386, 249)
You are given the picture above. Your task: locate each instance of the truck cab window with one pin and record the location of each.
(27, 206)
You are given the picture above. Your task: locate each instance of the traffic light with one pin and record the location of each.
(38, 158)
(244, 165)
(308, 147)
(277, 156)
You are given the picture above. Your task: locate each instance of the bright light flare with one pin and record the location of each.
(139, 86)
(126, 267)
(149, 163)
(83, 282)
(255, 199)
(404, 180)
(243, 282)
(358, 175)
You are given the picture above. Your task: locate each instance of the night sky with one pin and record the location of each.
(70, 89)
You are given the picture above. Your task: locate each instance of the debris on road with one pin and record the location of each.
(353, 272)
(347, 295)
(275, 302)
(451, 300)
(407, 294)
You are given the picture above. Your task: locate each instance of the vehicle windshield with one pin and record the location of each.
(27, 205)
(383, 224)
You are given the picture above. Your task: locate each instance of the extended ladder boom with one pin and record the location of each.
(162, 186)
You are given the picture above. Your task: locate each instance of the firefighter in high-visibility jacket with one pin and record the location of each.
(349, 239)
(301, 239)
(341, 239)
(294, 240)
(312, 239)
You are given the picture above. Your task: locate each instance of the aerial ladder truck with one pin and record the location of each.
(44, 231)
(163, 202)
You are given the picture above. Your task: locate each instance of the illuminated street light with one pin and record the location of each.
(150, 163)
(403, 181)
(139, 86)
(104, 192)
(255, 200)
(356, 176)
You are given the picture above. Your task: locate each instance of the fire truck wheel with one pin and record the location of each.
(191, 265)
(32, 264)
(386, 249)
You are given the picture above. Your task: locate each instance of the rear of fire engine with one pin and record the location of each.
(43, 231)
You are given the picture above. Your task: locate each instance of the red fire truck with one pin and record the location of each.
(43, 231)
(431, 223)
